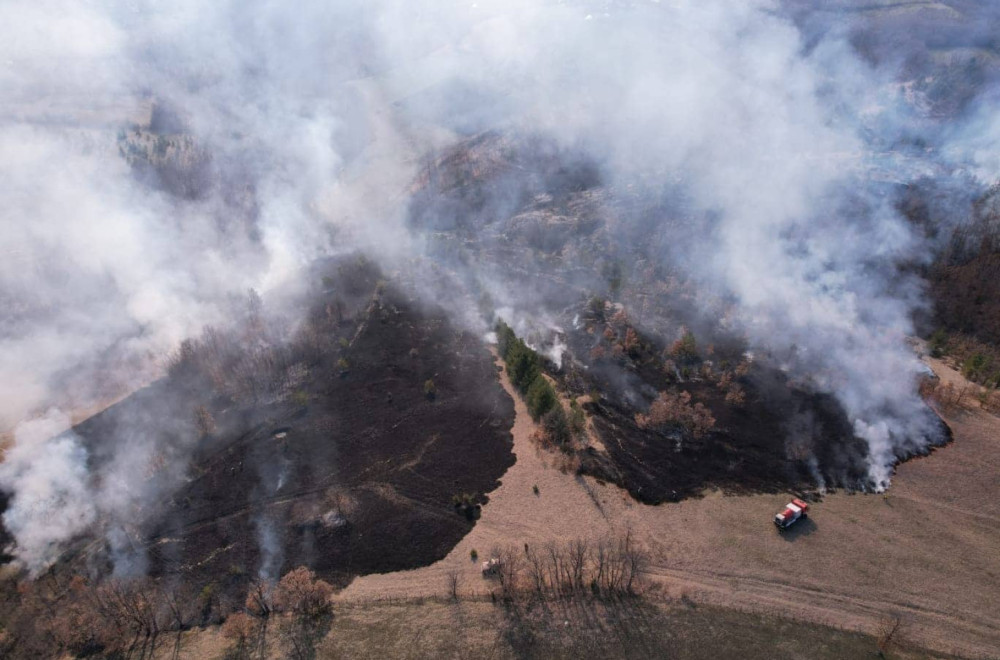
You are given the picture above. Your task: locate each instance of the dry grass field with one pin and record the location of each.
(928, 551)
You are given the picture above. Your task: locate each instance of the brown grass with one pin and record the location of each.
(926, 550)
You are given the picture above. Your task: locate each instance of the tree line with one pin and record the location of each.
(525, 369)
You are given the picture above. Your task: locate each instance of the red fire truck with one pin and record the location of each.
(794, 511)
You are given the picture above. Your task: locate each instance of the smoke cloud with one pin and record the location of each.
(281, 134)
(49, 477)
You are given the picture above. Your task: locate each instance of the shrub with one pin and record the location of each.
(343, 364)
(976, 367)
(556, 427)
(204, 421)
(577, 418)
(685, 349)
(541, 398)
(302, 593)
(674, 408)
(938, 343)
(735, 395)
(300, 398)
(242, 630)
(596, 306)
(631, 343)
(523, 365)
(505, 338)
(473, 555)
(430, 389)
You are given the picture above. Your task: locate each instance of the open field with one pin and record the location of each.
(929, 550)
(437, 628)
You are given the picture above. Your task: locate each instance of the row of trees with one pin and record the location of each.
(524, 366)
(978, 361)
(58, 614)
(950, 398)
(297, 610)
(248, 362)
(609, 568)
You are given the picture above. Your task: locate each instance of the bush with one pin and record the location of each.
(204, 421)
(577, 418)
(505, 338)
(523, 364)
(541, 398)
(300, 398)
(596, 307)
(556, 427)
(301, 592)
(675, 409)
(938, 343)
(430, 389)
(685, 349)
(976, 367)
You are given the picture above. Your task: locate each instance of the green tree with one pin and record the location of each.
(541, 398)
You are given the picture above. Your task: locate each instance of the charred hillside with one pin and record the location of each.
(619, 326)
(342, 448)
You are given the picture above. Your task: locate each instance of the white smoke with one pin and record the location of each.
(52, 501)
(315, 117)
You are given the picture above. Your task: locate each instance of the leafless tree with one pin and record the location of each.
(536, 571)
(508, 571)
(452, 579)
(176, 601)
(259, 604)
(887, 633)
(244, 632)
(636, 562)
(204, 421)
(305, 601)
(578, 553)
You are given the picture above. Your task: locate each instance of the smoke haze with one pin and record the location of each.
(277, 135)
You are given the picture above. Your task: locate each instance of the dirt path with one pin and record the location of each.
(928, 551)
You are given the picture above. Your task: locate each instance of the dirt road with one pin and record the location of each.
(928, 551)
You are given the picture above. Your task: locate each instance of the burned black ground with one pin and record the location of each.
(352, 472)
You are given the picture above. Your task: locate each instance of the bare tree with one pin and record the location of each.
(129, 613)
(578, 553)
(244, 632)
(636, 562)
(176, 601)
(452, 580)
(536, 571)
(204, 421)
(305, 601)
(508, 571)
(259, 604)
(887, 633)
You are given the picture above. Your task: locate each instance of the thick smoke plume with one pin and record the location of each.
(49, 476)
(280, 133)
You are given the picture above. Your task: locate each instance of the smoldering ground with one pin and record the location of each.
(287, 134)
